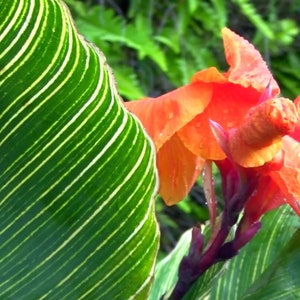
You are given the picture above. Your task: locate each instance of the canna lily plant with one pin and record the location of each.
(78, 171)
(236, 120)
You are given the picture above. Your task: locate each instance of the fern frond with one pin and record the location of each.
(249, 10)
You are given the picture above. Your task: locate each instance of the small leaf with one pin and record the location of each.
(166, 272)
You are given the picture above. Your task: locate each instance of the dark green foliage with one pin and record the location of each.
(154, 46)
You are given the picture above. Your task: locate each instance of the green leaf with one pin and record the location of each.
(166, 272)
(267, 254)
(266, 268)
(192, 4)
(281, 279)
(77, 170)
(167, 269)
(138, 36)
(127, 83)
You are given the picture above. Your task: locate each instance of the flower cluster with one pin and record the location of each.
(237, 120)
(232, 116)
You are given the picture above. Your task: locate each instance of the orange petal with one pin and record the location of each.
(288, 177)
(285, 172)
(178, 170)
(291, 150)
(297, 103)
(296, 133)
(288, 181)
(249, 156)
(247, 67)
(209, 75)
(164, 115)
(228, 107)
(258, 139)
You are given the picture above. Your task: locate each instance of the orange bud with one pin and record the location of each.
(270, 120)
(258, 139)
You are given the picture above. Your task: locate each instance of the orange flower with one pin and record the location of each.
(237, 100)
(234, 93)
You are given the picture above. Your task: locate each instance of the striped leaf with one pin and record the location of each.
(167, 269)
(266, 268)
(77, 172)
(271, 258)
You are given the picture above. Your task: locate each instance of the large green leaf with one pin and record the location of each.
(77, 170)
(262, 255)
(266, 268)
(281, 279)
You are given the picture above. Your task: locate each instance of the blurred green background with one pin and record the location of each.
(157, 45)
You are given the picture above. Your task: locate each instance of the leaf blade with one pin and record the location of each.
(77, 171)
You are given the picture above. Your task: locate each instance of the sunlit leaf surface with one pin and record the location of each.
(77, 171)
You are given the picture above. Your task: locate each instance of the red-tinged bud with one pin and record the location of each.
(231, 249)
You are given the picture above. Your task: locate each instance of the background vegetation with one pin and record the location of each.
(156, 45)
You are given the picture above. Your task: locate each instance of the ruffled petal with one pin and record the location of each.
(291, 150)
(250, 156)
(228, 107)
(297, 103)
(247, 67)
(165, 115)
(296, 134)
(178, 170)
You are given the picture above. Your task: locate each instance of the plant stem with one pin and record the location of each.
(194, 265)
